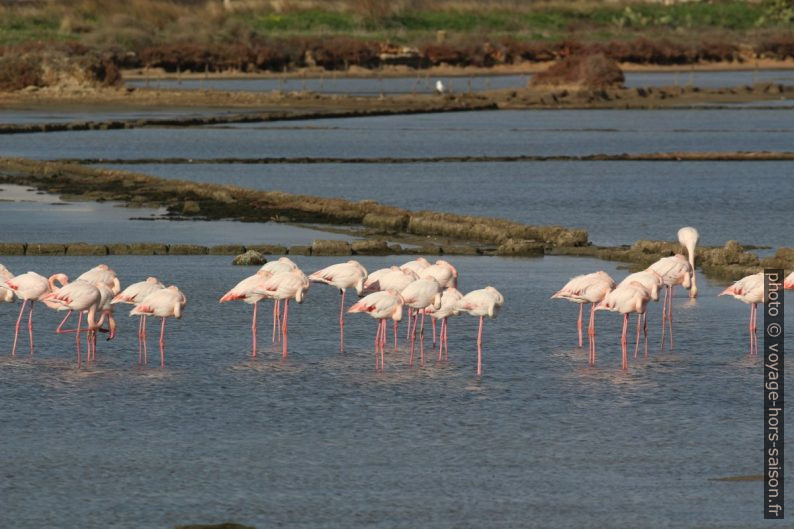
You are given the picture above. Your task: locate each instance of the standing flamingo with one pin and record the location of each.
(286, 285)
(652, 282)
(484, 302)
(689, 237)
(164, 303)
(750, 290)
(788, 283)
(393, 278)
(132, 295)
(446, 275)
(28, 287)
(415, 266)
(81, 296)
(449, 301)
(419, 295)
(282, 264)
(674, 270)
(626, 299)
(587, 288)
(342, 276)
(381, 306)
(6, 294)
(244, 290)
(103, 274)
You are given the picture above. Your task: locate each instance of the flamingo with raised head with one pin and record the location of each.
(342, 276)
(674, 270)
(626, 299)
(29, 287)
(483, 302)
(583, 289)
(244, 290)
(382, 305)
(419, 295)
(688, 237)
(750, 290)
(285, 286)
(449, 301)
(132, 295)
(164, 303)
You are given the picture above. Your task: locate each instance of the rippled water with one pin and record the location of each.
(492, 133)
(617, 202)
(322, 440)
(425, 83)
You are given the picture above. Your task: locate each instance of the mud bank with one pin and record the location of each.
(191, 200)
(687, 156)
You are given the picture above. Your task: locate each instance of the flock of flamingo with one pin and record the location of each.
(632, 295)
(424, 289)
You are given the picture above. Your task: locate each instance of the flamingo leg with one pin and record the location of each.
(16, 331)
(591, 335)
(162, 344)
(77, 337)
(342, 324)
(253, 331)
(140, 340)
(751, 329)
(441, 338)
(623, 342)
(275, 317)
(433, 321)
(645, 330)
(664, 313)
(285, 329)
(145, 351)
(30, 325)
(479, 348)
(394, 328)
(670, 316)
(639, 328)
(408, 331)
(422, 341)
(377, 343)
(413, 337)
(579, 323)
(60, 330)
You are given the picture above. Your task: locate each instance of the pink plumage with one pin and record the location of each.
(483, 302)
(788, 283)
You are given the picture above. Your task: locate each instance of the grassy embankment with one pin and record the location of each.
(251, 36)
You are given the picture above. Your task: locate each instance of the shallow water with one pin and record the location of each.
(27, 216)
(419, 84)
(541, 440)
(486, 133)
(617, 202)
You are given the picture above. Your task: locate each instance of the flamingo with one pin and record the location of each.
(674, 270)
(82, 296)
(652, 282)
(419, 295)
(788, 283)
(342, 276)
(380, 305)
(449, 300)
(688, 237)
(164, 303)
(28, 287)
(392, 278)
(132, 295)
(443, 272)
(244, 291)
(483, 302)
(750, 290)
(103, 274)
(6, 294)
(282, 264)
(286, 285)
(416, 266)
(587, 288)
(626, 299)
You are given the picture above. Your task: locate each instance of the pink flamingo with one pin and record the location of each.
(102, 274)
(750, 290)
(381, 306)
(688, 237)
(282, 264)
(419, 295)
(80, 296)
(446, 275)
(132, 295)
(788, 283)
(6, 294)
(393, 278)
(28, 287)
(244, 290)
(449, 301)
(483, 302)
(587, 288)
(626, 299)
(164, 303)
(652, 282)
(286, 285)
(674, 270)
(342, 276)
(415, 266)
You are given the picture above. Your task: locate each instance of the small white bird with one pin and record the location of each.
(440, 88)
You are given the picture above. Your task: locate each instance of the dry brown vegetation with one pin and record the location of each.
(591, 71)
